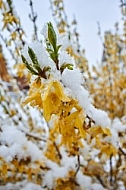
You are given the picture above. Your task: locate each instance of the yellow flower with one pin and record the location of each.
(52, 99)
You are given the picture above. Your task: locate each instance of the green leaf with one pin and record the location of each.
(49, 50)
(33, 56)
(46, 69)
(66, 65)
(29, 67)
(34, 59)
(52, 35)
(58, 47)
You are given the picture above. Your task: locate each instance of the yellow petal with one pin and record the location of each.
(55, 86)
(99, 130)
(60, 92)
(50, 105)
(79, 123)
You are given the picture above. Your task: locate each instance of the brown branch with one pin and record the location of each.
(33, 17)
(78, 167)
(59, 155)
(33, 136)
(111, 170)
(121, 150)
(101, 181)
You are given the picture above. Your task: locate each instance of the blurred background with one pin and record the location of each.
(88, 14)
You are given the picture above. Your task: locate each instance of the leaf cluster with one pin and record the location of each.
(34, 68)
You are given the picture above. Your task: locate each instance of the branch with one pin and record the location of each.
(121, 150)
(111, 170)
(101, 181)
(78, 167)
(33, 17)
(5, 42)
(123, 3)
(35, 137)
(60, 156)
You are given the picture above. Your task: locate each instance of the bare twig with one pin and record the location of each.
(123, 3)
(33, 17)
(121, 150)
(58, 152)
(35, 137)
(101, 181)
(100, 34)
(78, 167)
(5, 42)
(111, 170)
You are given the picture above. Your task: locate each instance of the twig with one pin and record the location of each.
(60, 156)
(101, 181)
(78, 167)
(5, 42)
(111, 170)
(33, 17)
(100, 35)
(19, 29)
(35, 137)
(123, 3)
(121, 150)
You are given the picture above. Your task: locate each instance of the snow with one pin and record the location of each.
(96, 186)
(72, 79)
(118, 126)
(23, 185)
(14, 143)
(55, 172)
(99, 116)
(63, 39)
(44, 31)
(14, 131)
(41, 53)
(48, 179)
(83, 180)
(64, 57)
(31, 186)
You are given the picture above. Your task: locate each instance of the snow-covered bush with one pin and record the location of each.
(54, 137)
